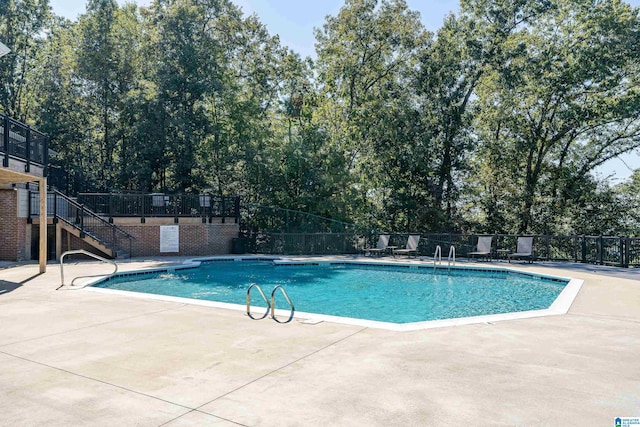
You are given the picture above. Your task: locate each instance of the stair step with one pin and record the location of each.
(91, 234)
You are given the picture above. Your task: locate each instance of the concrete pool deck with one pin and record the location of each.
(73, 357)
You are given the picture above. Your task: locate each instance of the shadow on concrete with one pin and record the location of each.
(6, 286)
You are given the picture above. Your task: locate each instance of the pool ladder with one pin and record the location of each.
(271, 306)
(437, 256)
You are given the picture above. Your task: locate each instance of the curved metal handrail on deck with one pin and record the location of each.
(82, 251)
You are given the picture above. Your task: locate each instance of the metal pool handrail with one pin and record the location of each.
(82, 251)
(452, 255)
(264, 297)
(437, 255)
(273, 305)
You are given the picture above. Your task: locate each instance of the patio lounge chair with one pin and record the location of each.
(383, 242)
(483, 248)
(410, 248)
(524, 249)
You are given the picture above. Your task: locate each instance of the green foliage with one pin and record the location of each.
(495, 123)
(566, 101)
(366, 59)
(22, 23)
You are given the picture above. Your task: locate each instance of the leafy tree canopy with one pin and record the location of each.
(494, 123)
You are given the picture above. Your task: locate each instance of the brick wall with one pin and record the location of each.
(13, 234)
(196, 238)
(23, 246)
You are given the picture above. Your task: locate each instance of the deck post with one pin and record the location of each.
(27, 166)
(42, 184)
(5, 142)
(58, 241)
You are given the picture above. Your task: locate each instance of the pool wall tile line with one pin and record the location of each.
(450, 269)
(195, 263)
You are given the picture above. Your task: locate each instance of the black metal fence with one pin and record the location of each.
(205, 206)
(605, 250)
(60, 207)
(21, 141)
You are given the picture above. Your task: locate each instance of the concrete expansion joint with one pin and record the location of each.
(205, 413)
(199, 408)
(94, 325)
(286, 365)
(66, 371)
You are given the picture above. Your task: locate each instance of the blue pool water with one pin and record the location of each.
(383, 293)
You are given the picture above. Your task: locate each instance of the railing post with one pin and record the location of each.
(209, 211)
(5, 138)
(82, 218)
(600, 249)
(627, 249)
(584, 249)
(142, 220)
(45, 156)
(176, 200)
(224, 208)
(202, 199)
(55, 209)
(27, 166)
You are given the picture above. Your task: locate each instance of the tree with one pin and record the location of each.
(627, 201)
(365, 58)
(188, 68)
(565, 102)
(109, 67)
(61, 109)
(23, 27)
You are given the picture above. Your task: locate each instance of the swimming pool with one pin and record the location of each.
(389, 294)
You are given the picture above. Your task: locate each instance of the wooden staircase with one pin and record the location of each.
(88, 226)
(93, 241)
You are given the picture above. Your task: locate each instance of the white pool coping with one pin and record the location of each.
(561, 304)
